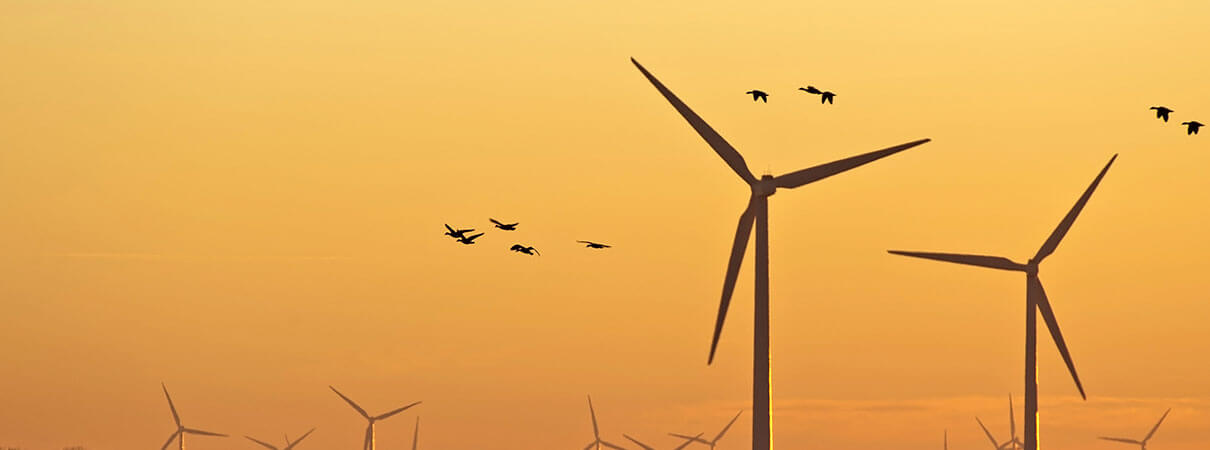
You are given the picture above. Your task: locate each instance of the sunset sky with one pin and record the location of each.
(244, 200)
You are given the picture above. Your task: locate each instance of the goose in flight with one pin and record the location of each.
(505, 226)
(591, 244)
(457, 234)
(1162, 112)
(758, 95)
(825, 96)
(1193, 126)
(468, 240)
(525, 250)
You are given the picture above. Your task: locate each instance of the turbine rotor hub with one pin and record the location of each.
(1031, 268)
(764, 187)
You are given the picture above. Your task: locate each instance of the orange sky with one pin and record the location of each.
(245, 200)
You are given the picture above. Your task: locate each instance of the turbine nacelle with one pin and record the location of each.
(764, 187)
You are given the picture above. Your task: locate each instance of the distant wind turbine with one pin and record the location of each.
(181, 430)
(596, 432)
(416, 434)
(758, 211)
(688, 440)
(289, 444)
(369, 440)
(1143, 443)
(1035, 302)
(713, 442)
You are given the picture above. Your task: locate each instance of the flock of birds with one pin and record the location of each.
(460, 235)
(824, 96)
(1191, 127)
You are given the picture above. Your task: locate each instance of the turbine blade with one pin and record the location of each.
(596, 433)
(203, 433)
(1012, 420)
(1128, 441)
(607, 444)
(590, 446)
(295, 442)
(689, 440)
(1048, 314)
(636, 441)
(992, 262)
(809, 175)
(175, 418)
(721, 433)
(262, 443)
(988, 433)
(351, 403)
(686, 437)
(397, 411)
(170, 438)
(1157, 425)
(416, 434)
(742, 232)
(1055, 237)
(720, 145)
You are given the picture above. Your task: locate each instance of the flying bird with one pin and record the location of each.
(457, 234)
(1193, 126)
(505, 226)
(758, 95)
(1161, 112)
(525, 250)
(468, 240)
(1143, 443)
(591, 244)
(825, 96)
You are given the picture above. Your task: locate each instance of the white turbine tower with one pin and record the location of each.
(758, 211)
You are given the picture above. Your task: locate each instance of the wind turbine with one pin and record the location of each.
(369, 441)
(688, 440)
(181, 430)
(596, 432)
(1143, 443)
(713, 442)
(1035, 302)
(758, 211)
(289, 444)
(416, 434)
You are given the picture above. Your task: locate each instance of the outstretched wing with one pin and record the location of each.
(473, 237)
(497, 222)
(447, 226)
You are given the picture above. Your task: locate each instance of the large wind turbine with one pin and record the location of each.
(181, 431)
(597, 443)
(758, 211)
(713, 442)
(1143, 443)
(1035, 302)
(369, 440)
(289, 444)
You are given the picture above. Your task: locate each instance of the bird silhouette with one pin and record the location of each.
(1161, 112)
(759, 95)
(468, 240)
(591, 244)
(457, 234)
(1193, 126)
(526, 250)
(505, 226)
(825, 96)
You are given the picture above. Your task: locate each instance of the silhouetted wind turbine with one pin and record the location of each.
(1035, 302)
(1012, 442)
(289, 444)
(713, 442)
(758, 211)
(416, 434)
(181, 430)
(369, 440)
(1143, 443)
(596, 432)
(688, 440)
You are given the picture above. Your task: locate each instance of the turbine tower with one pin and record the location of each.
(713, 442)
(369, 440)
(758, 211)
(289, 444)
(181, 430)
(1035, 302)
(1143, 443)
